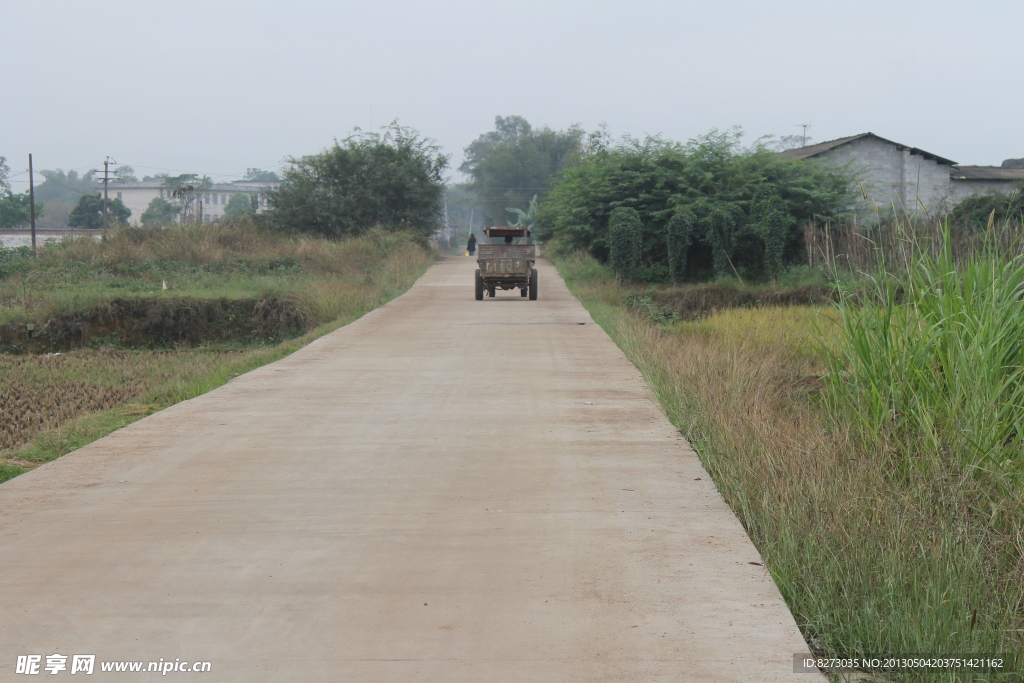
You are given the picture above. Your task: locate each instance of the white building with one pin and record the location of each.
(138, 195)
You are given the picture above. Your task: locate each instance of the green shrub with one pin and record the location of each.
(624, 234)
(746, 204)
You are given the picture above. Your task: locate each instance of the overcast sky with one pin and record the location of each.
(214, 87)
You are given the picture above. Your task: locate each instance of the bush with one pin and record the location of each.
(394, 180)
(999, 208)
(160, 212)
(624, 230)
(88, 213)
(708, 207)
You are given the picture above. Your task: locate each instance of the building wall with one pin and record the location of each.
(137, 197)
(962, 189)
(927, 180)
(892, 177)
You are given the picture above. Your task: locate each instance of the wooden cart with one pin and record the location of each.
(506, 266)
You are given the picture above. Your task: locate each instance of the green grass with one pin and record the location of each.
(53, 404)
(890, 545)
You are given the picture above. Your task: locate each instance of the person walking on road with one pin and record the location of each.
(471, 245)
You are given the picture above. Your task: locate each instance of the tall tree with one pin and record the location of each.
(259, 175)
(66, 188)
(5, 186)
(393, 180)
(125, 174)
(185, 190)
(514, 162)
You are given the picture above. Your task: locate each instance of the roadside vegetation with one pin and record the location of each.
(872, 447)
(55, 401)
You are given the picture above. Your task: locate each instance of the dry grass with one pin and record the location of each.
(871, 559)
(233, 260)
(896, 241)
(52, 404)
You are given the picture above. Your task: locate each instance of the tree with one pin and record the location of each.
(255, 175)
(88, 213)
(185, 189)
(783, 142)
(394, 180)
(15, 211)
(5, 186)
(240, 204)
(160, 212)
(771, 222)
(736, 206)
(125, 174)
(66, 188)
(515, 162)
(678, 235)
(624, 229)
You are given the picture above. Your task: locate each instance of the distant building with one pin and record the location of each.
(888, 172)
(915, 181)
(967, 181)
(138, 195)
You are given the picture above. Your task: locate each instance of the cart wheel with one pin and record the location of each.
(490, 292)
(479, 286)
(533, 284)
(522, 291)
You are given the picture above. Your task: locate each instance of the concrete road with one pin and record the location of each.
(445, 490)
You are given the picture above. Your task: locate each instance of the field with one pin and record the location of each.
(887, 529)
(53, 402)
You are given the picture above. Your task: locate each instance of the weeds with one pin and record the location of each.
(872, 556)
(232, 260)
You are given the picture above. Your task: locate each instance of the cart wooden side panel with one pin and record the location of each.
(506, 261)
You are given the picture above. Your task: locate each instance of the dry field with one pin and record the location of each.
(53, 403)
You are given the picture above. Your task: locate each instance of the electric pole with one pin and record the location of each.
(32, 204)
(106, 168)
(803, 139)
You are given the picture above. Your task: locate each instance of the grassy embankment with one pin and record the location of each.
(51, 404)
(871, 451)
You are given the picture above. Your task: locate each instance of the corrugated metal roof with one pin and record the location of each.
(822, 147)
(986, 173)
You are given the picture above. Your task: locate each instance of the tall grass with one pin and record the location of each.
(895, 242)
(235, 259)
(940, 373)
(874, 556)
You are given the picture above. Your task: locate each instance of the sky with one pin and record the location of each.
(218, 86)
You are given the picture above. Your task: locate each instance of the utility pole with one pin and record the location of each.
(106, 169)
(32, 203)
(803, 139)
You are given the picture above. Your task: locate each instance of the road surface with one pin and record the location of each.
(445, 490)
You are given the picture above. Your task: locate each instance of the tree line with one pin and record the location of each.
(654, 209)
(70, 199)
